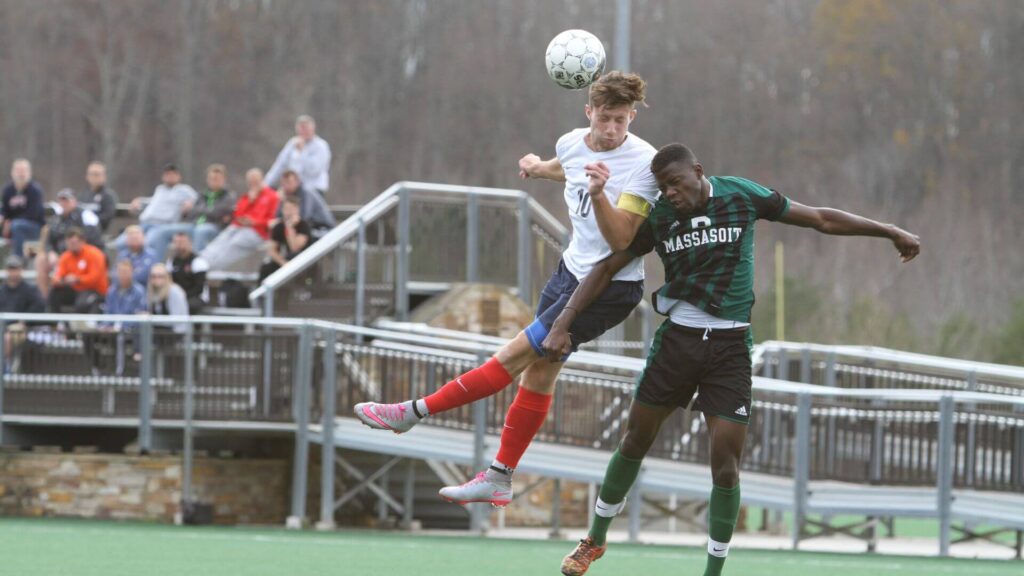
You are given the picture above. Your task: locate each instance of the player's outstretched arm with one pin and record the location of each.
(837, 222)
(558, 343)
(531, 166)
(618, 225)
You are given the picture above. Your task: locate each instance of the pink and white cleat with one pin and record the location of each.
(492, 487)
(395, 417)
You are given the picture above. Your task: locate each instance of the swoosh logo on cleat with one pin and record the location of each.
(499, 494)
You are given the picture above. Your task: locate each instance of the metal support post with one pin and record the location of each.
(944, 471)
(783, 367)
(300, 399)
(145, 387)
(268, 350)
(327, 425)
(473, 239)
(830, 369)
(402, 283)
(361, 274)
(556, 510)
(190, 383)
(479, 512)
(409, 494)
(801, 467)
(805, 365)
(382, 504)
(523, 266)
(3, 372)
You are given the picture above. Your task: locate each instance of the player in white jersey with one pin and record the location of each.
(609, 190)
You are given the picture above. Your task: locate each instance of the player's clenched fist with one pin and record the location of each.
(528, 165)
(599, 174)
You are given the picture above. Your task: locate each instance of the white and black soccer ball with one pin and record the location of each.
(575, 58)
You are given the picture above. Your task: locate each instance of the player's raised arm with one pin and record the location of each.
(558, 342)
(618, 224)
(531, 166)
(840, 223)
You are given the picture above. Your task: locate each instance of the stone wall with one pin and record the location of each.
(140, 487)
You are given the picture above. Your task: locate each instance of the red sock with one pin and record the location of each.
(478, 383)
(525, 417)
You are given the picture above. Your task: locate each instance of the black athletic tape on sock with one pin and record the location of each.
(505, 471)
(416, 410)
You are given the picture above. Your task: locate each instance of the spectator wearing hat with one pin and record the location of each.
(81, 277)
(249, 228)
(171, 203)
(69, 214)
(22, 215)
(98, 197)
(17, 296)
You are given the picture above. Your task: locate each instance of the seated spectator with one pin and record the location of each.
(188, 270)
(249, 225)
(313, 209)
(99, 198)
(18, 297)
(22, 213)
(164, 297)
(212, 213)
(287, 238)
(135, 250)
(67, 215)
(166, 212)
(307, 154)
(127, 296)
(81, 277)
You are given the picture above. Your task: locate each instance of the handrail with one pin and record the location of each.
(589, 359)
(904, 358)
(376, 208)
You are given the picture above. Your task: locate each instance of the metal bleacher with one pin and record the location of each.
(841, 438)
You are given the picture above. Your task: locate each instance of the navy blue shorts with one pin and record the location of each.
(610, 309)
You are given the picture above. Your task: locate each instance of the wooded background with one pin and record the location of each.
(903, 110)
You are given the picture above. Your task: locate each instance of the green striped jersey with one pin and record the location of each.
(709, 256)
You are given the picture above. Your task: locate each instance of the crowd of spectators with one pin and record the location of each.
(159, 265)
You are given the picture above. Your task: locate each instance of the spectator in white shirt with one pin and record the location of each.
(166, 212)
(307, 154)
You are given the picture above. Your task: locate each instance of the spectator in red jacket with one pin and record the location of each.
(249, 225)
(81, 277)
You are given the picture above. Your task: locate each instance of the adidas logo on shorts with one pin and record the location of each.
(742, 411)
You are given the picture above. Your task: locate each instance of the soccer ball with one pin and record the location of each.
(575, 58)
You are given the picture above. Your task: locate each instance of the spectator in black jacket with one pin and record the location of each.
(18, 297)
(288, 237)
(98, 198)
(71, 215)
(22, 214)
(188, 270)
(312, 207)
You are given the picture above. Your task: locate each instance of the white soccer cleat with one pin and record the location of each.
(397, 418)
(491, 487)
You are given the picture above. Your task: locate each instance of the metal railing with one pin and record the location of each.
(421, 238)
(300, 372)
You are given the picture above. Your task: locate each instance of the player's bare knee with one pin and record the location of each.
(637, 441)
(516, 355)
(726, 474)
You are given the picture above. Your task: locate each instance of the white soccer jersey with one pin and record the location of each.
(630, 166)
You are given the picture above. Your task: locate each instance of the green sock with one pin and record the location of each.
(618, 479)
(722, 514)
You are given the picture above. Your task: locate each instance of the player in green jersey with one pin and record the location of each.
(702, 228)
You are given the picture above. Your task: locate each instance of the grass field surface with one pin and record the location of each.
(48, 547)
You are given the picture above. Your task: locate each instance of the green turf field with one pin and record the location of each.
(86, 548)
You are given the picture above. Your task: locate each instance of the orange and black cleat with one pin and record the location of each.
(577, 563)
